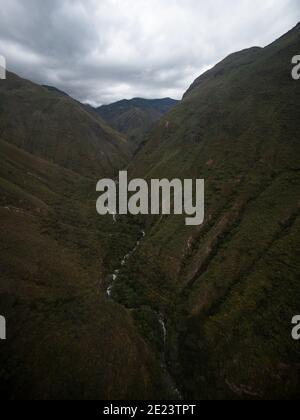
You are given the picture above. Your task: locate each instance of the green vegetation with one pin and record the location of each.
(66, 340)
(230, 288)
(227, 290)
(59, 129)
(135, 117)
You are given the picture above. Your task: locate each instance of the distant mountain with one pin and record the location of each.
(51, 125)
(135, 117)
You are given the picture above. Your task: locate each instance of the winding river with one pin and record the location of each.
(114, 277)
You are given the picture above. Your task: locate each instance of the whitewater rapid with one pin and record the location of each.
(124, 261)
(164, 366)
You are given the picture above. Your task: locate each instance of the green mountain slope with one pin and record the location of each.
(229, 288)
(55, 127)
(135, 117)
(65, 339)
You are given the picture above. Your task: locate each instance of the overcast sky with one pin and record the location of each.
(100, 51)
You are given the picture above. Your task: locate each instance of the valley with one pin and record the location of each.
(145, 307)
(162, 330)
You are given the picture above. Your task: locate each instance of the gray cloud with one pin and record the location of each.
(100, 51)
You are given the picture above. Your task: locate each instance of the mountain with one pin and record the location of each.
(135, 117)
(204, 309)
(230, 287)
(65, 338)
(53, 126)
(86, 107)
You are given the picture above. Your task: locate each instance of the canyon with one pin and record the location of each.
(125, 307)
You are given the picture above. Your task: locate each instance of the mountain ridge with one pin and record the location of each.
(56, 127)
(135, 117)
(238, 128)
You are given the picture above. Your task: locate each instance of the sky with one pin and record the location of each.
(101, 51)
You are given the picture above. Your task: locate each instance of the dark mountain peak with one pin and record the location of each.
(142, 103)
(135, 117)
(287, 44)
(232, 61)
(51, 125)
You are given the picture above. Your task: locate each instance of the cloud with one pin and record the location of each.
(102, 51)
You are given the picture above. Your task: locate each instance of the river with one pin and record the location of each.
(160, 317)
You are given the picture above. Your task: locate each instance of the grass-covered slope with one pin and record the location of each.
(55, 127)
(231, 286)
(65, 339)
(135, 117)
